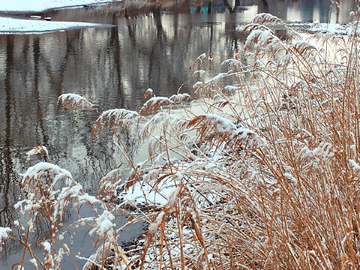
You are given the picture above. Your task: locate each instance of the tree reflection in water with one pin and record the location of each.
(8, 178)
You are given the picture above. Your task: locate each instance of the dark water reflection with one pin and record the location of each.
(112, 67)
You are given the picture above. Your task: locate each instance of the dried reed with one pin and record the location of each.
(267, 176)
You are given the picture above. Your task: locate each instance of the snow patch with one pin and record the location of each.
(41, 5)
(9, 25)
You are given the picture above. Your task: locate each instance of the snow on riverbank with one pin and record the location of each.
(41, 5)
(13, 26)
(330, 28)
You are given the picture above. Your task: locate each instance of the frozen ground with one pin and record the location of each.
(11, 26)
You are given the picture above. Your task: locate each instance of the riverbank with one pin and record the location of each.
(10, 26)
(25, 6)
(26, 17)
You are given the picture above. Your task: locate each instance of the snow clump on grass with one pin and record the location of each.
(4, 234)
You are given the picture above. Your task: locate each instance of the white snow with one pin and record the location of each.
(47, 246)
(104, 222)
(74, 99)
(41, 5)
(354, 165)
(4, 233)
(39, 169)
(328, 27)
(224, 125)
(34, 262)
(291, 178)
(334, 28)
(37, 150)
(11, 25)
(140, 193)
(155, 225)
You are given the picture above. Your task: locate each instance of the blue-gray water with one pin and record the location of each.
(112, 67)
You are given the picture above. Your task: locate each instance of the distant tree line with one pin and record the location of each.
(133, 7)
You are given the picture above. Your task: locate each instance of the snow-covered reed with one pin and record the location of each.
(264, 176)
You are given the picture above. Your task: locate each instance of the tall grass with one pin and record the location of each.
(260, 172)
